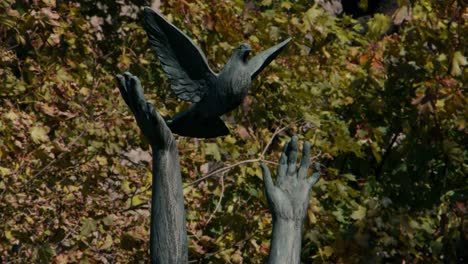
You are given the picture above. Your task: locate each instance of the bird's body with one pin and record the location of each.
(191, 78)
(228, 90)
(222, 96)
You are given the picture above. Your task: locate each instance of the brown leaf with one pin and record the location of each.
(243, 133)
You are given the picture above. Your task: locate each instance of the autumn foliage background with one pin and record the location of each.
(382, 98)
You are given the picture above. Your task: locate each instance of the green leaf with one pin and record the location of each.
(378, 25)
(363, 4)
(45, 253)
(109, 220)
(349, 176)
(63, 76)
(213, 150)
(314, 119)
(88, 226)
(339, 215)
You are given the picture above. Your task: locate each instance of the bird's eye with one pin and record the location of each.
(245, 56)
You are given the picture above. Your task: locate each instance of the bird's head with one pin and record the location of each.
(243, 51)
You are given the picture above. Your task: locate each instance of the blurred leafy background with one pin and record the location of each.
(380, 91)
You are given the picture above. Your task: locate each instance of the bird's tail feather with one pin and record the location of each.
(188, 124)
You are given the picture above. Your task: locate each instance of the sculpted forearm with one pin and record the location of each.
(169, 242)
(285, 242)
(168, 237)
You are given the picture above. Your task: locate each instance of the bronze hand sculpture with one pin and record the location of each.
(192, 79)
(288, 200)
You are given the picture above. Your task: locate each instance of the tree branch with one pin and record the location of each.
(259, 159)
(219, 201)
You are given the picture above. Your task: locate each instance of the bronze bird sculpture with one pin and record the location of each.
(191, 78)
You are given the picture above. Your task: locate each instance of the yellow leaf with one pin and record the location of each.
(312, 218)
(39, 134)
(8, 235)
(230, 208)
(230, 139)
(85, 91)
(107, 243)
(461, 123)
(12, 116)
(137, 201)
(4, 171)
(237, 257)
(254, 39)
(47, 109)
(286, 4)
(101, 160)
(126, 186)
(326, 251)
(458, 61)
(375, 151)
(440, 104)
(359, 213)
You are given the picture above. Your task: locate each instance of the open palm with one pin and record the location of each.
(289, 198)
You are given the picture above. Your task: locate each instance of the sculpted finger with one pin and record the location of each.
(283, 165)
(136, 96)
(120, 82)
(127, 77)
(122, 88)
(138, 90)
(292, 156)
(268, 181)
(315, 176)
(305, 161)
(130, 92)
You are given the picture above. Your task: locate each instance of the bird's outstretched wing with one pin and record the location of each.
(259, 62)
(183, 62)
